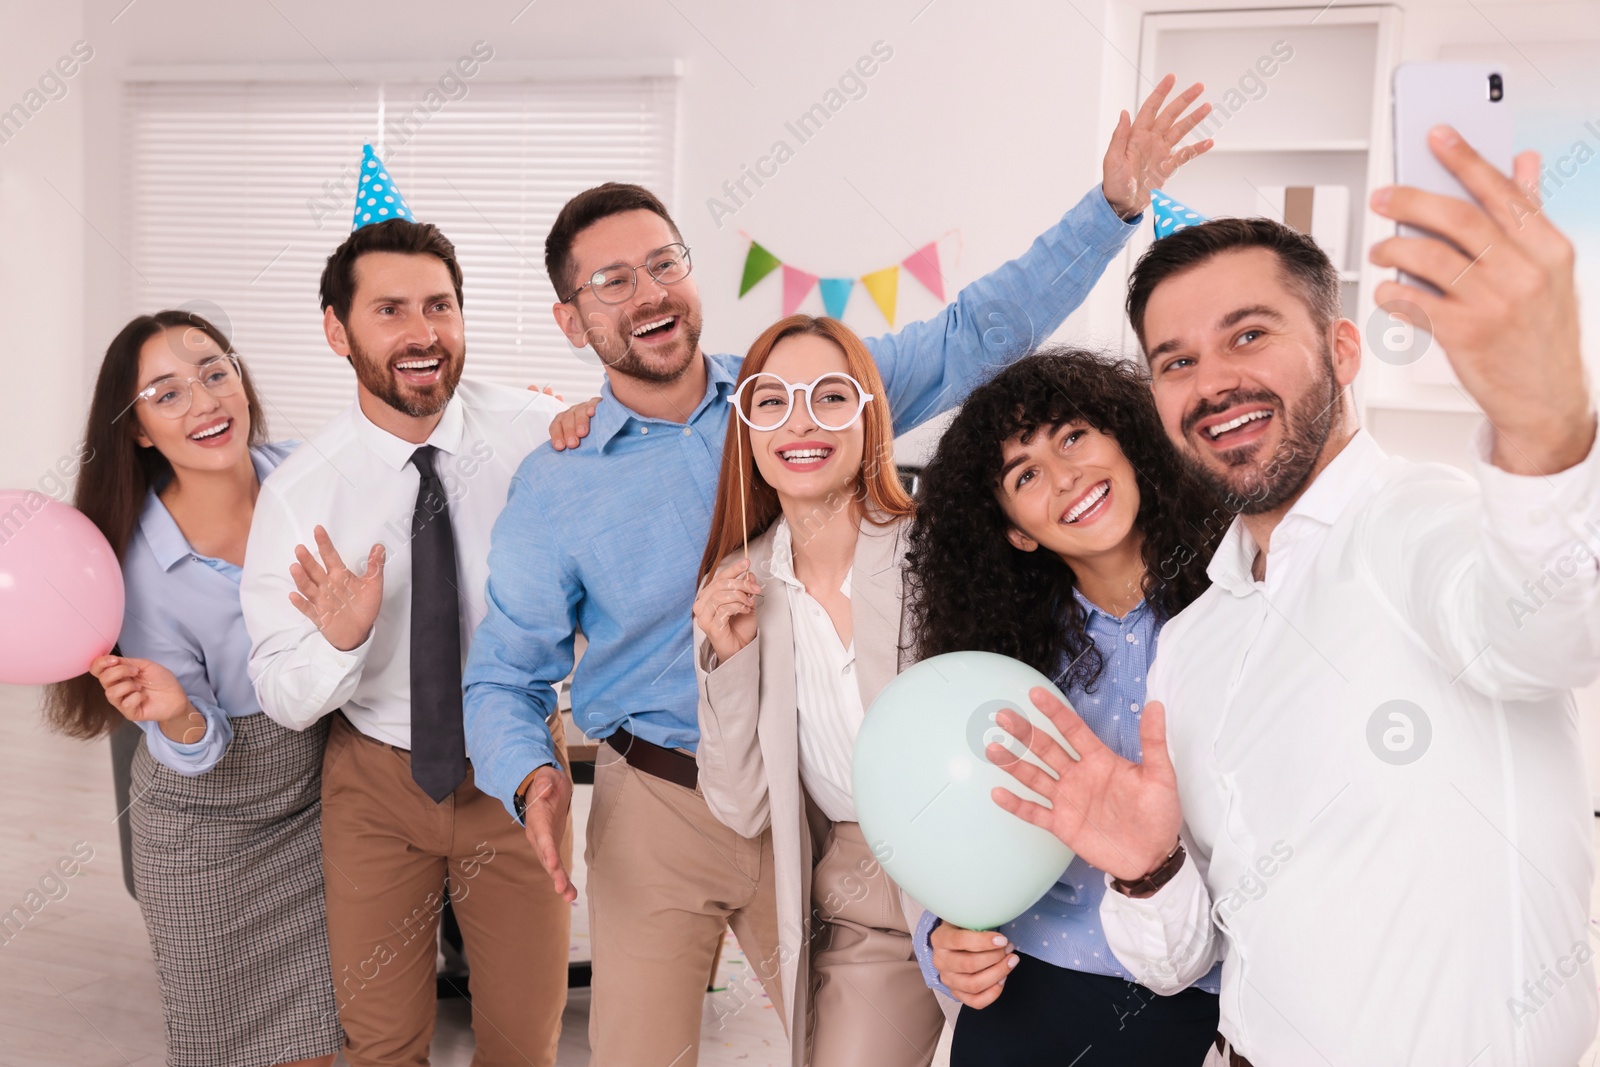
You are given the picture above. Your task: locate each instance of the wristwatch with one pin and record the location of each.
(1165, 872)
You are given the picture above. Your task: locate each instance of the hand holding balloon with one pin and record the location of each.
(725, 610)
(1120, 816)
(972, 964)
(145, 691)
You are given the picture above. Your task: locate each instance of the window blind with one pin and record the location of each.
(238, 191)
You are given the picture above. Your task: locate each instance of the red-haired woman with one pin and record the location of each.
(793, 643)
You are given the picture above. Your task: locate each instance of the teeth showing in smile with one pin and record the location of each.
(1095, 496)
(418, 365)
(649, 327)
(218, 428)
(1233, 424)
(802, 455)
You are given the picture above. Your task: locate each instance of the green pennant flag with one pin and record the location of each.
(757, 265)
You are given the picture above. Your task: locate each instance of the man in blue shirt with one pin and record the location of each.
(607, 539)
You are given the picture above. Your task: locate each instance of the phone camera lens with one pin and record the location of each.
(1497, 88)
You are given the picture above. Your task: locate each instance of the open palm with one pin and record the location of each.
(1143, 153)
(1120, 816)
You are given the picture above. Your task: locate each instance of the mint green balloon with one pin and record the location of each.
(922, 781)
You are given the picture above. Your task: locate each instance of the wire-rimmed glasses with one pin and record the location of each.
(668, 265)
(172, 397)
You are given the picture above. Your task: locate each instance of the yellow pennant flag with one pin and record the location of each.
(884, 285)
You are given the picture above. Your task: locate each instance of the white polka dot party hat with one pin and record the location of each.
(377, 200)
(1170, 216)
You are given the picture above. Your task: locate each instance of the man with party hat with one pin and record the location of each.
(618, 524)
(404, 485)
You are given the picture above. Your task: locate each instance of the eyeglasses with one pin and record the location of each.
(834, 401)
(172, 397)
(668, 265)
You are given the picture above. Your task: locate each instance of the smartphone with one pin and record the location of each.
(1472, 98)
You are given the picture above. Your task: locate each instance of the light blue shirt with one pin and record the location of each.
(609, 536)
(183, 613)
(1063, 927)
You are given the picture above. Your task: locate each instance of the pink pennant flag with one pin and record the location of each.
(924, 267)
(796, 286)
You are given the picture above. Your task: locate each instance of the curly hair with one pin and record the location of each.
(969, 588)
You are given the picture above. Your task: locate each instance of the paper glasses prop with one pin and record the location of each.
(834, 401)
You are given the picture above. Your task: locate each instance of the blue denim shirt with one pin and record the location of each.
(1063, 927)
(608, 536)
(183, 612)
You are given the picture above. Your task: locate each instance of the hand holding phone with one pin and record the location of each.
(1491, 278)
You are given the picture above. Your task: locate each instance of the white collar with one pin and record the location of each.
(1324, 500)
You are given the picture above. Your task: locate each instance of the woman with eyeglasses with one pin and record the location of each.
(226, 803)
(794, 638)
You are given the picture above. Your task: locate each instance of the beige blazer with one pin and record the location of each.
(749, 751)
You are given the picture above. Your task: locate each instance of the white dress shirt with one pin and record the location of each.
(357, 481)
(1378, 760)
(827, 695)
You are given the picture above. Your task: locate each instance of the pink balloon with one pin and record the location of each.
(61, 595)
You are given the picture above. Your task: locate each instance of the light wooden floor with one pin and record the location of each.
(77, 986)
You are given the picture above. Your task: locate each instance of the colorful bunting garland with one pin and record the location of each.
(882, 285)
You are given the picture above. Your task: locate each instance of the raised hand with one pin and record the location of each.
(567, 428)
(544, 823)
(1143, 155)
(725, 610)
(1120, 816)
(1507, 311)
(343, 604)
(973, 964)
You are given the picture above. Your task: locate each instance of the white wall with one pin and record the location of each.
(42, 247)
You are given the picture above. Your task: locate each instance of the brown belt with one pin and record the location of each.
(665, 763)
(1228, 1053)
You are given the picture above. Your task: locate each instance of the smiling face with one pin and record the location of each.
(1248, 385)
(1069, 490)
(800, 459)
(215, 432)
(654, 335)
(405, 336)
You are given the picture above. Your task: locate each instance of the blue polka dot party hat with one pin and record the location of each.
(1170, 216)
(377, 200)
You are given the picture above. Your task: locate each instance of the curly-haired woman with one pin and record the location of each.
(1056, 526)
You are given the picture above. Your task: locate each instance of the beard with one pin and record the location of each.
(1255, 481)
(378, 377)
(660, 368)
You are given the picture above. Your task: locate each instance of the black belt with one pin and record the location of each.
(665, 763)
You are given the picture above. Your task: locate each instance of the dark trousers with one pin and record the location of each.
(1050, 1016)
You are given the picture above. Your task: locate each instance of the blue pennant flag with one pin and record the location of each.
(1170, 216)
(377, 200)
(835, 295)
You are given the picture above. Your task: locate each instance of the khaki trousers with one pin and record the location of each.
(869, 1005)
(390, 858)
(665, 878)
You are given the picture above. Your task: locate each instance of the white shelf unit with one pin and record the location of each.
(1320, 117)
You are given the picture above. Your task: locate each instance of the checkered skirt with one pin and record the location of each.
(228, 866)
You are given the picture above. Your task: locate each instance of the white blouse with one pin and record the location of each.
(827, 696)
